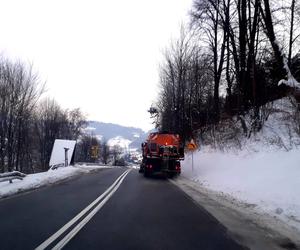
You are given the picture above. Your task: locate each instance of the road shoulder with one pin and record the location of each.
(36, 181)
(252, 229)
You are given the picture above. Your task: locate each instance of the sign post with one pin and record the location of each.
(192, 161)
(66, 157)
(192, 146)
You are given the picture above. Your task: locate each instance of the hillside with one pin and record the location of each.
(116, 134)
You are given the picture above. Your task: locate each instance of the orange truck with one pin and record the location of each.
(162, 153)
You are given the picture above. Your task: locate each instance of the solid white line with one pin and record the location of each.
(80, 225)
(52, 238)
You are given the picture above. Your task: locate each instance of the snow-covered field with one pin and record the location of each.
(33, 181)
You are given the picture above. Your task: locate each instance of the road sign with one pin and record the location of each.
(95, 152)
(192, 145)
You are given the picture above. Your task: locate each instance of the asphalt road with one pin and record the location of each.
(143, 213)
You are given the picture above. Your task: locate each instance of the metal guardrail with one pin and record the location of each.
(10, 176)
(56, 166)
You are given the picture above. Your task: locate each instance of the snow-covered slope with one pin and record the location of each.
(264, 172)
(270, 181)
(119, 141)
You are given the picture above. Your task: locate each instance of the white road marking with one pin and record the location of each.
(107, 193)
(76, 229)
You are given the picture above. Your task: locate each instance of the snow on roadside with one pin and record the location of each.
(33, 181)
(269, 180)
(263, 172)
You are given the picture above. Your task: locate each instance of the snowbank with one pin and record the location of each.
(264, 171)
(268, 180)
(33, 181)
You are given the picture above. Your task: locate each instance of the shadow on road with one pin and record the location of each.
(159, 177)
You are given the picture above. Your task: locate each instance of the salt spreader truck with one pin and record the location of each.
(162, 153)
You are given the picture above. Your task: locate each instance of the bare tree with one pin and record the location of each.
(291, 40)
(105, 152)
(280, 56)
(115, 153)
(84, 149)
(18, 98)
(206, 17)
(52, 122)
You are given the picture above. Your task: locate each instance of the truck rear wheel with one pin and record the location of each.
(142, 169)
(171, 175)
(146, 173)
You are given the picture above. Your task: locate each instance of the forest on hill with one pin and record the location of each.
(230, 62)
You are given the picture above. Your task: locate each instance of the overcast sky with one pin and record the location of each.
(99, 55)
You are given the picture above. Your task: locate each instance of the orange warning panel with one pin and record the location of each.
(192, 145)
